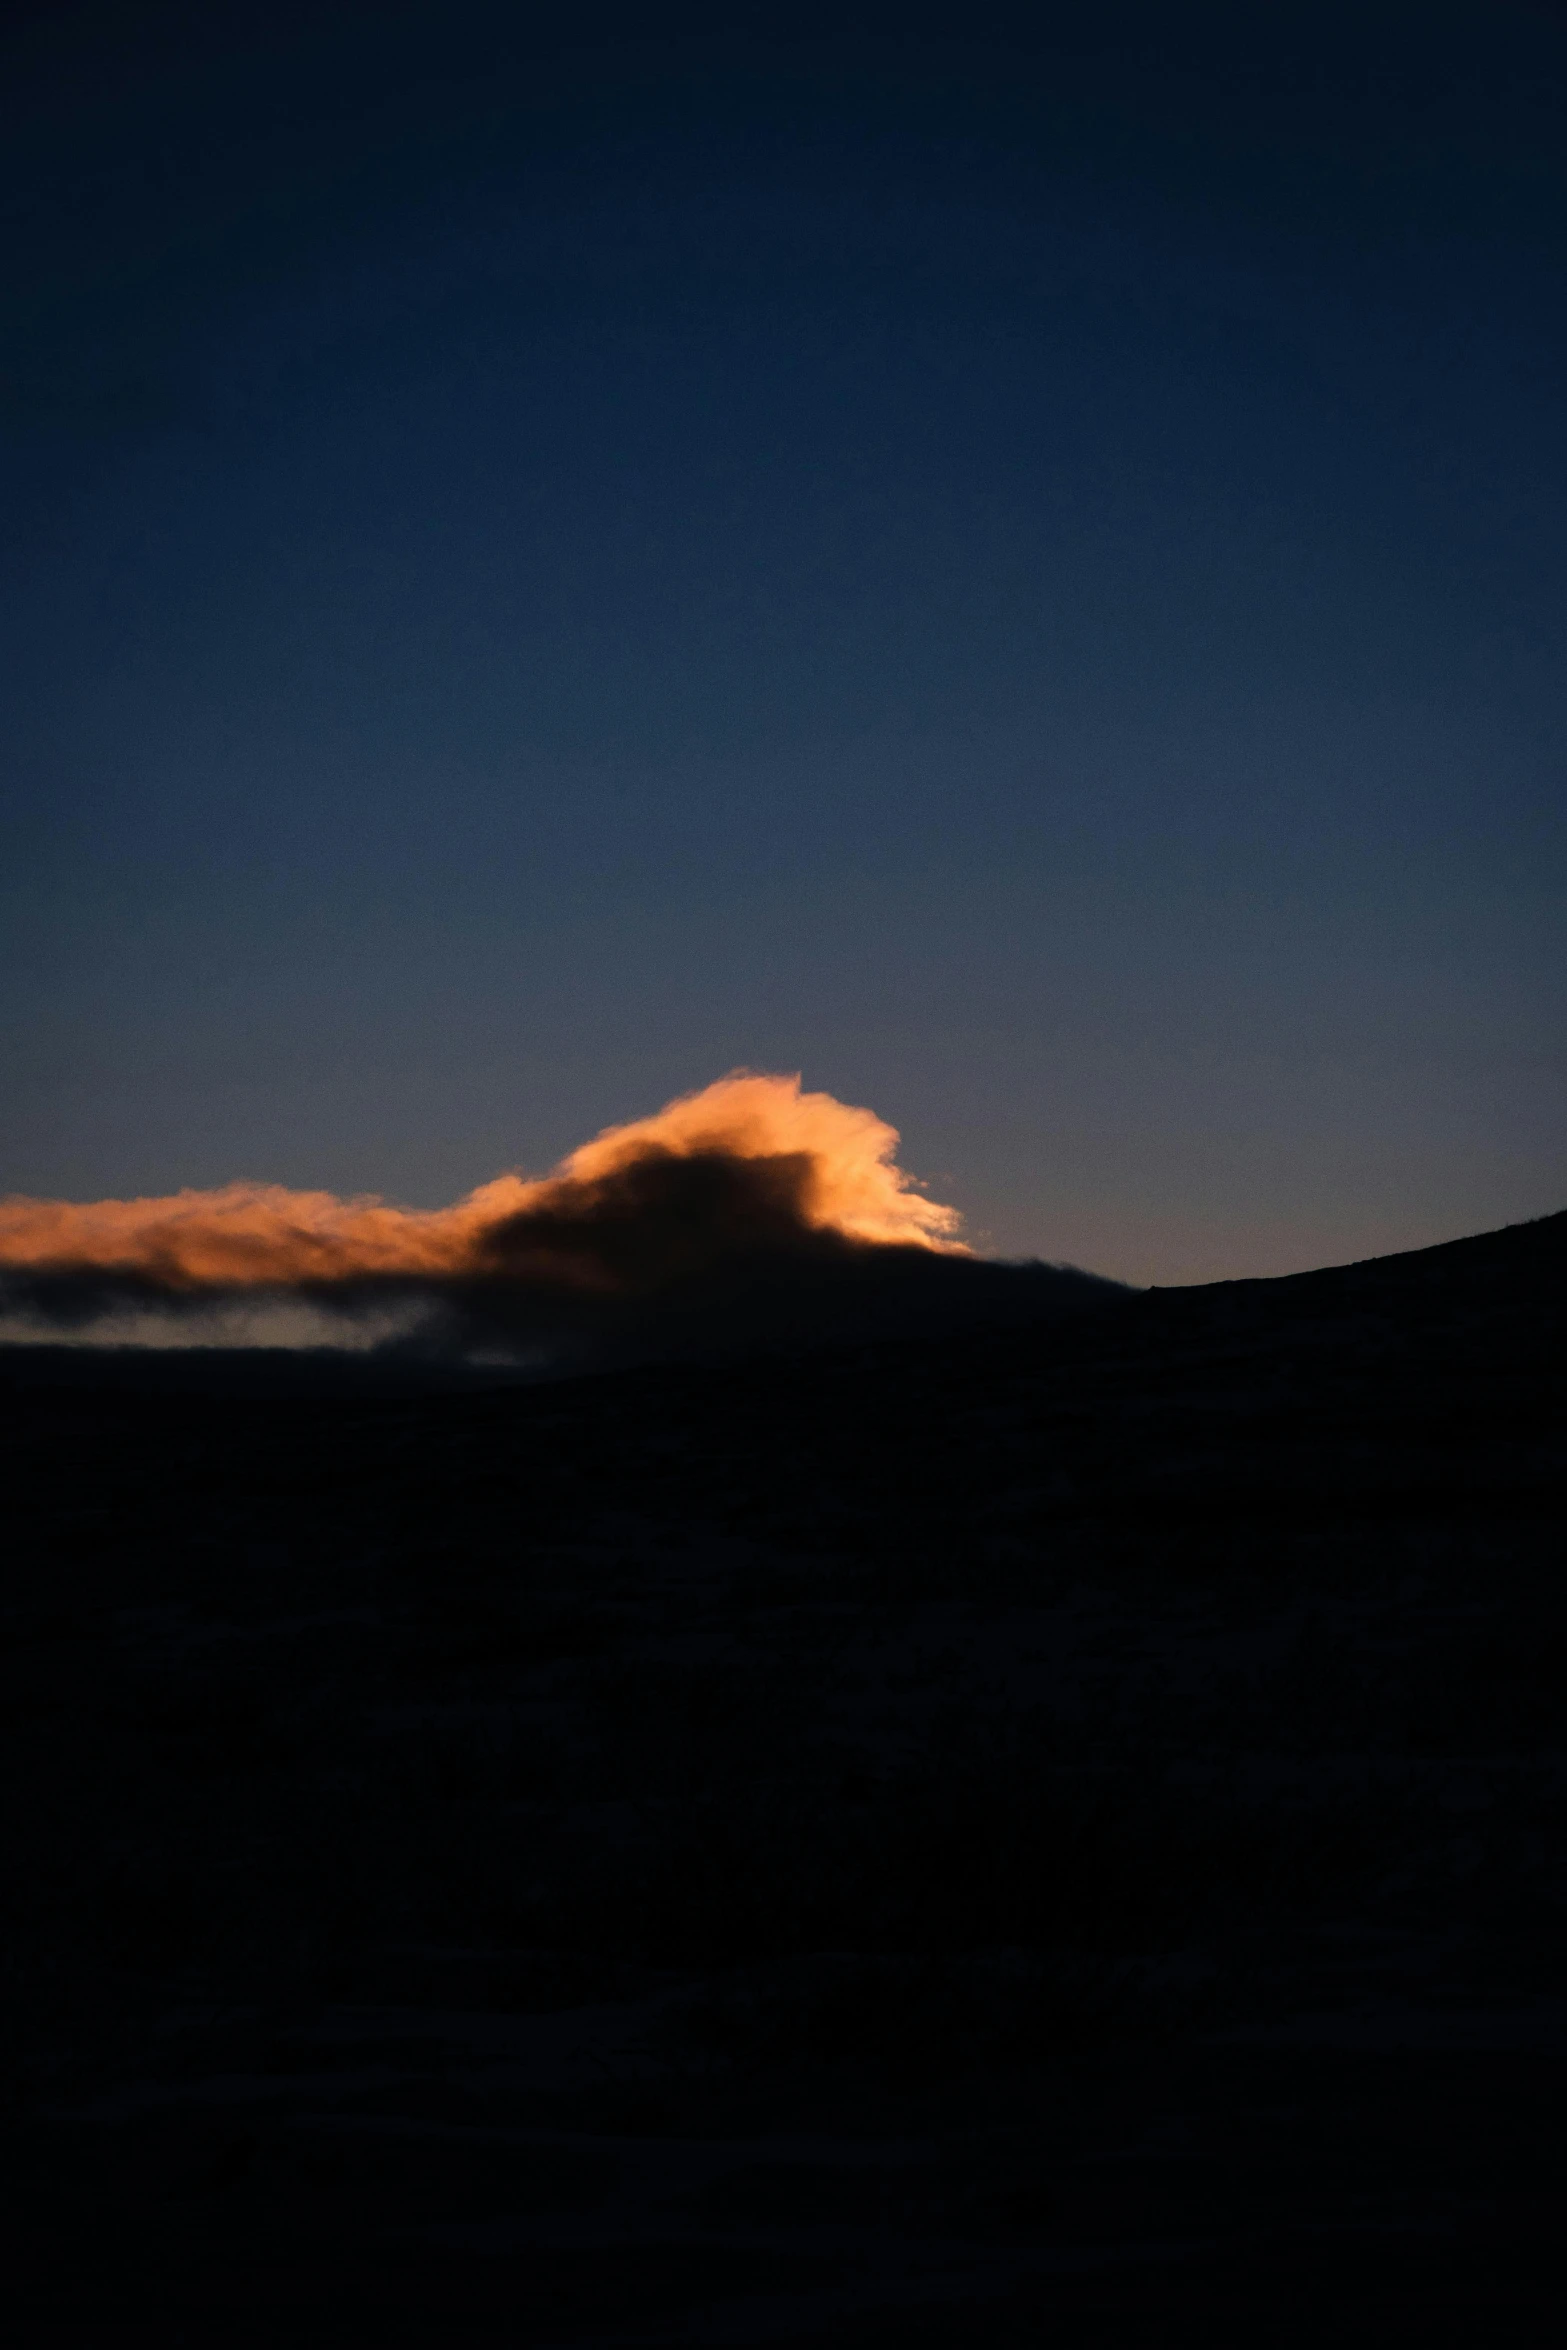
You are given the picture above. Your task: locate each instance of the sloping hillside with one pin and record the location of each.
(1057, 1828)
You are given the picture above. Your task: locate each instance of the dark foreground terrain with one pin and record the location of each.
(1052, 1838)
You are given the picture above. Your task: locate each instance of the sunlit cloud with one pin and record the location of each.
(749, 1209)
(815, 1163)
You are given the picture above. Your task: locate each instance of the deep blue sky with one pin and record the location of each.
(1024, 579)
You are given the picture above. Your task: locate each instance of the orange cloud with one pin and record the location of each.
(753, 1155)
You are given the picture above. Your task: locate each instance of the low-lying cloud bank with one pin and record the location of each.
(750, 1212)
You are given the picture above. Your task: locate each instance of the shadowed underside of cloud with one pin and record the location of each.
(751, 1212)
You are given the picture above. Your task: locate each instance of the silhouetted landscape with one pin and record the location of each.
(1050, 1830)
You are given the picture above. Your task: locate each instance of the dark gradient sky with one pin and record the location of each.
(1021, 577)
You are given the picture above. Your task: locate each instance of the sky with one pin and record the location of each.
(1016, 573)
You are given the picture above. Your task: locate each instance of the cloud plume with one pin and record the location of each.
(750, 1202)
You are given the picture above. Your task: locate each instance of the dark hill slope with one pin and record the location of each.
(1051, 1830)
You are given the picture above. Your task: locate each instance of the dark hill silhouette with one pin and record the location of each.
(760, 1303)
(492, 1330)
(1054, 1829)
